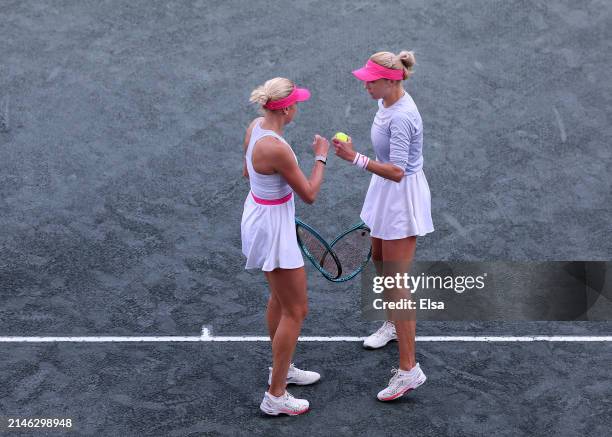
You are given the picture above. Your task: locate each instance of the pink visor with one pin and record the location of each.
(297, 95)
(373, 71)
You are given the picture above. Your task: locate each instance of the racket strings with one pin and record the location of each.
(318, 252)
(353, 250)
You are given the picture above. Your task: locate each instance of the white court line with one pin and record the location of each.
(210, 338)
(98, 339)
(437, 338)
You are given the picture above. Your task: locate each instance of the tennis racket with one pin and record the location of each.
(317, 250)
(353, 249)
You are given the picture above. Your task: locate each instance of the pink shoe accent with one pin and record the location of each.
(294, 413)
(397, 395)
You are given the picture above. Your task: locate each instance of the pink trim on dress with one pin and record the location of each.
(272, 201)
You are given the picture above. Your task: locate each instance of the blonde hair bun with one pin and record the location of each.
(408, 62)
(273, 89)
(259, 96)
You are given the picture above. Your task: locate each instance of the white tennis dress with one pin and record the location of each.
(394, 210)
(268, 219)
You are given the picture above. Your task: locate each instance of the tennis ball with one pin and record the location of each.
(341, 136)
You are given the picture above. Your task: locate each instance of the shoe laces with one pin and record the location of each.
(395, 373)
(294, 369)
(385, 327)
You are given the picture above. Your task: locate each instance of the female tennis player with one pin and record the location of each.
(397, 207)
(269, 240)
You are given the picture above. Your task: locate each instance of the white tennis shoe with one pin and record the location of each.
(384, 335)
(285, 404)
(402, 382)
(297, 376)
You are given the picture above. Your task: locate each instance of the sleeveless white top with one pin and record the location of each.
(269, 187)
(268, 231)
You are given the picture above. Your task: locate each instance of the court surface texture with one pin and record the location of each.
(121, 129)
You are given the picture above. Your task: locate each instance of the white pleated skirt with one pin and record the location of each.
(268, 236)
(394, 210)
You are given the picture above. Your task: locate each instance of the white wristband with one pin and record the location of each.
(361, 161)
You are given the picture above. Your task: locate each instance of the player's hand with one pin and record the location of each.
(320, 145)
(344, 149)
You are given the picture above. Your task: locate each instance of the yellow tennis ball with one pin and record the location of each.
(341, 136)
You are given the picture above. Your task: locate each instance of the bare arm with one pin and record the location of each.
(281, 159)
(402, 129)
(386, 170)
(344, 149)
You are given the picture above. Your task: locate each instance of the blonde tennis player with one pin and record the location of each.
(269, 240)
(397, 206)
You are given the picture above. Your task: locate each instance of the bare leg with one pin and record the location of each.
(377, 258)
(401, 253)
(289, 288)
(377, 255)
(273, 315)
